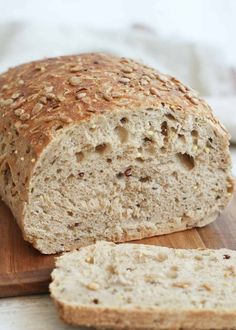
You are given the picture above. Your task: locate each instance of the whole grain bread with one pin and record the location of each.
(134, 286)
(99, 147)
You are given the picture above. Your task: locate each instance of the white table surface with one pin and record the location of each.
(38, 312)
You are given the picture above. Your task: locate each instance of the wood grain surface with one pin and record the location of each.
(23, 270)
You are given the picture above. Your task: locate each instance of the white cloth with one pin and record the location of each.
(198, 66)
(225, 109)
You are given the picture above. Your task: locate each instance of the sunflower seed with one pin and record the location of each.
(154, 91)
(74, 81)
(124, 80)
(76, 69)
(19, 112)
(25, 116)
(37, 108)
(80, 95)
(127, 69)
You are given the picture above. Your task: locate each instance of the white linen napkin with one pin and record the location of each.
(225, 109)
(199, 66)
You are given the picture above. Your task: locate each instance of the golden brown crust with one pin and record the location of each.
(45, 95)
(141, 319)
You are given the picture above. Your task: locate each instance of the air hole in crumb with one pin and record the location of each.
(81, 174)
(139, 159)
(185, 218)
(7, 174)
(59, 170)
(175, 175)
(71, 176)
(138, 205)
(92, 129)
(72, 226)
(58, 128)
(102, 148)
(109, 160)
(96, 301)
(209, 145)
(170, 116)
(194, 133)
(147, 139)
(164, 128)
(186, 161)
(182, 138)
(145, 179)
(79, 156)
(124, 120)
(70, 213)
(122, 133)
(47, 179)
(128, 172)
(119, 175)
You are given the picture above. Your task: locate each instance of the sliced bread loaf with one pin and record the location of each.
(132, 286)
(95, 147)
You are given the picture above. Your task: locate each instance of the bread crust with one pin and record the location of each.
(141, 319)
(107, 85)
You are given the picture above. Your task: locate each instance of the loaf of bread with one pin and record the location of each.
(95, 147)
(134, 286)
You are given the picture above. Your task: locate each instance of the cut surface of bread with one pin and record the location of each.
(134, 286)
(97, 147)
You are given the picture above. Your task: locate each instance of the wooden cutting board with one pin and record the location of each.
(23, 270)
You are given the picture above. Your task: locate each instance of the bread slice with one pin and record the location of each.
(134, 286)
(95, 147)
